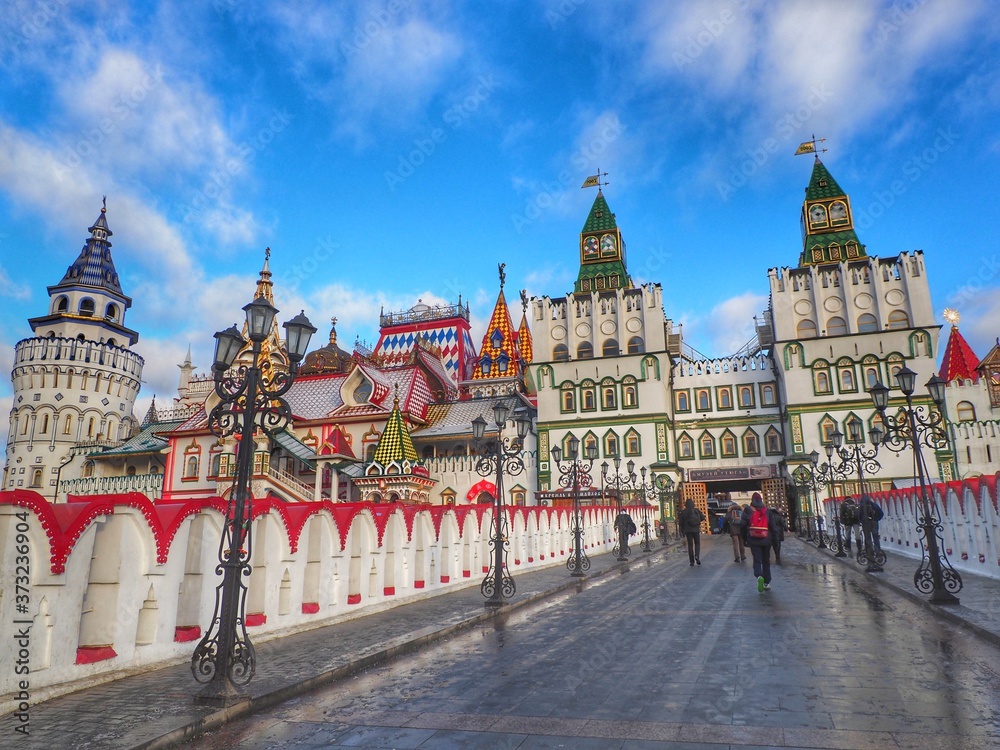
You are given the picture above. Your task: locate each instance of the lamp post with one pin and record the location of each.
(619, 482)
(249, 399)
(645, 492)
(864, 461)
(913, 426)
(808, 480)
(576, 474)
(827, 472)
(668, 494)
(499, 456)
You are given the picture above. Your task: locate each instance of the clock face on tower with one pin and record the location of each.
(590, 247)
(608, 245)
(817, 215)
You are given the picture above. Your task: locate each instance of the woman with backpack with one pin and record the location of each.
(759, 535)
(690, 520)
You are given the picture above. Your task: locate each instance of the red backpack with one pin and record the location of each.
(758, 528)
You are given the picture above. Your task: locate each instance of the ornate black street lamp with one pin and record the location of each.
(856, 457)
(668, 494)
(809, 481)
(499, 456)
(644, 491)
(827, 473)
(913, 426)
(249, 399)
(619, 483)
(576, 474)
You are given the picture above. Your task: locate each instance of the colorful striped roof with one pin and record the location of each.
(498, 356)
(524, 340)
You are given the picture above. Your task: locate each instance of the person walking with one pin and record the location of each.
(733, 525)
(758, 535)
(780, 527)
(850, 520)
(870, 513)
(690, 520)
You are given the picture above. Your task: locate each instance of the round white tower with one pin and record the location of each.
(76, 380)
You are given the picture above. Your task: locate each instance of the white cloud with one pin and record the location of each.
(372, 63)
(728, 326)
(10, 288)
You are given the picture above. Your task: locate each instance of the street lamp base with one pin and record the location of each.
(943, 597)
(578, 574)
(874, 568)
(841, 553)
(494, 603)
(220, 693)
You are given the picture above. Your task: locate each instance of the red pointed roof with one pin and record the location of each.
(959, 361)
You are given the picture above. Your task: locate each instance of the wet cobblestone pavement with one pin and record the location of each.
(671, 656)
(656, 654)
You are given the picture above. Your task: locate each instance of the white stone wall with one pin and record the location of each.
(128, 586)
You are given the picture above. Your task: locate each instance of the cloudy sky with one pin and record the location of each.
(397, 150)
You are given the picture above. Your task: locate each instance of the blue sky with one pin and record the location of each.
(395, 151)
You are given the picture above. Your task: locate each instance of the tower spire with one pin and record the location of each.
(828, 234)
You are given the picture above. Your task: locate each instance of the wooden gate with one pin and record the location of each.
(697, 491)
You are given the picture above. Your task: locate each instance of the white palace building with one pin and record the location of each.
(370, 497)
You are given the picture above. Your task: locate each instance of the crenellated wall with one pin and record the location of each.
(970, 522)
(115, 584)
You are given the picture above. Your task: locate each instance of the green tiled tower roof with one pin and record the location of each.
(600, 218)
(602, 252)
(821, 184)
(395, 444)
(828, 234)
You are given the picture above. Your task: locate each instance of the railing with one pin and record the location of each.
(63, 350)
(148, 484)
(300, 489)
(441, 312)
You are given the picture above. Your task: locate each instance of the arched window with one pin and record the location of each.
(191, 467)
(728, 444)
(88, 469)
(585, 351)
(629, 396)
(560, 353)
(707, 444)
(725, 398)
(773, 441)
(966, 412)
(822, 382)
(636, 345)
(898, 319)
(62, 304)
(871, 376)
(836, 326)
(87, 307)
(568, 398)
(704, 399)
(767, 395)
(36, 478)
(610, 445)
(746, 396)
(68, 424)
(806, 329)
(683, 402)
(610, 348)
(633, 446)
(216, 465)
(867, 323)
(847, 382)
(111, 312)
(589, 398)
(685, 447)
(609, 398)
(45, 423)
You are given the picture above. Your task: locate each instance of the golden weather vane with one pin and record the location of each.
(810, 147)
(595, 180)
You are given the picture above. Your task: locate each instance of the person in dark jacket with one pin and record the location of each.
(759, 534)
(870, 513)
(690, 520)
(780, 527)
